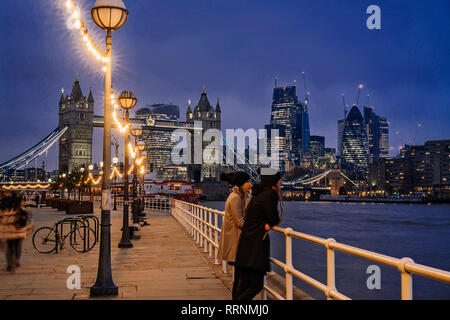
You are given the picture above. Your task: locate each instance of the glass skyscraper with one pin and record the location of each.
(317, 146)
(288, 112)
(377, 134)
(355, 145)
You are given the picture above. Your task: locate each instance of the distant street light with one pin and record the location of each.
(109, 15)
(115, 161)
(127, 101)
(136, 132)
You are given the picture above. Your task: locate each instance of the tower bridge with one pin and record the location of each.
(77, 122)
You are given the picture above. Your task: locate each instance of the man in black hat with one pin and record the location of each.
(253, 251)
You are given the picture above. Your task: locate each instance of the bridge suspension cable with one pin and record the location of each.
(242, 164)
(34, 152)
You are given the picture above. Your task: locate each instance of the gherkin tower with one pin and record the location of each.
(355, 146)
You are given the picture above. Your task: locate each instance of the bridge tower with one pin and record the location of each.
(210, 118)
(75, 146)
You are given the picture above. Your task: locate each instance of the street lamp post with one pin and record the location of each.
(109, 15)
(135, 132)
(127, 100)
(115, 161)
(141, 148)
(91, 167)
(144, 159)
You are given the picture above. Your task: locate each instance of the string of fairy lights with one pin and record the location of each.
(77, 23)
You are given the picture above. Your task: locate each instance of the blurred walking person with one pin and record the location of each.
(37, 199)
(15, 225)
(233, 219)
(253, 251)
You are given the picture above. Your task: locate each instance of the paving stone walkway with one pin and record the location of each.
(165, 263)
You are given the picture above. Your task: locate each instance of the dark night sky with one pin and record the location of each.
(169, 49)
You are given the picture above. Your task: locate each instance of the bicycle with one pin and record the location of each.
(82, 237)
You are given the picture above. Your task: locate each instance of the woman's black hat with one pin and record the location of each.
(237, 178)
(269, 176)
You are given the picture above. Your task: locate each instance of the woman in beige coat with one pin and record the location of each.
(233, 219)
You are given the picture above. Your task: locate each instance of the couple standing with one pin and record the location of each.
(244, 242)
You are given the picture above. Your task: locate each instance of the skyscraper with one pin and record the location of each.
(160, 111)
(355, 146)
(317, 146)
(281, 140)
(288, 112)
(377, 129)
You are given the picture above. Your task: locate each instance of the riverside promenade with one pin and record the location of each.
(164, 264)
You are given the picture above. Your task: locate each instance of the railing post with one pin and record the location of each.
(210, 234)
(216, 238)
(331, 275)
(194, 221)
(200, 226)
(191, 218)
(289, 287)
(205, 233)
(407, 288)
(264, 292)
(197, 219)
(224, 267)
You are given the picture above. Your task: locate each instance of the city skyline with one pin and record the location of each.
(401, 66)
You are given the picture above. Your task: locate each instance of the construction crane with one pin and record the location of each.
(345, 106)
(359, 93)
(419, 125)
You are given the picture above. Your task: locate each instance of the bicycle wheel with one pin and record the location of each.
(78, 235)
(45, 240)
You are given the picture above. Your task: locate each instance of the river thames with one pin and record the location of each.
(420, 232)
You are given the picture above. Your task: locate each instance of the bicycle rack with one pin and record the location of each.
(73, 221)
(96, 224)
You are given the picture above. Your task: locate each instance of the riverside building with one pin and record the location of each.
(423, 169)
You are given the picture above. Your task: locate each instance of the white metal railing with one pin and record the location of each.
(157, 204)
(152, 204)
(202, 224)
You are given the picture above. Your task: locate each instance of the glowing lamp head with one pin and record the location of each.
(136, 131)
(115, 160)
(91, 167)
(109, 14)
(127, 100)
(141, 146)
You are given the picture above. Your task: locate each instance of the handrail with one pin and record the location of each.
(205, 231)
